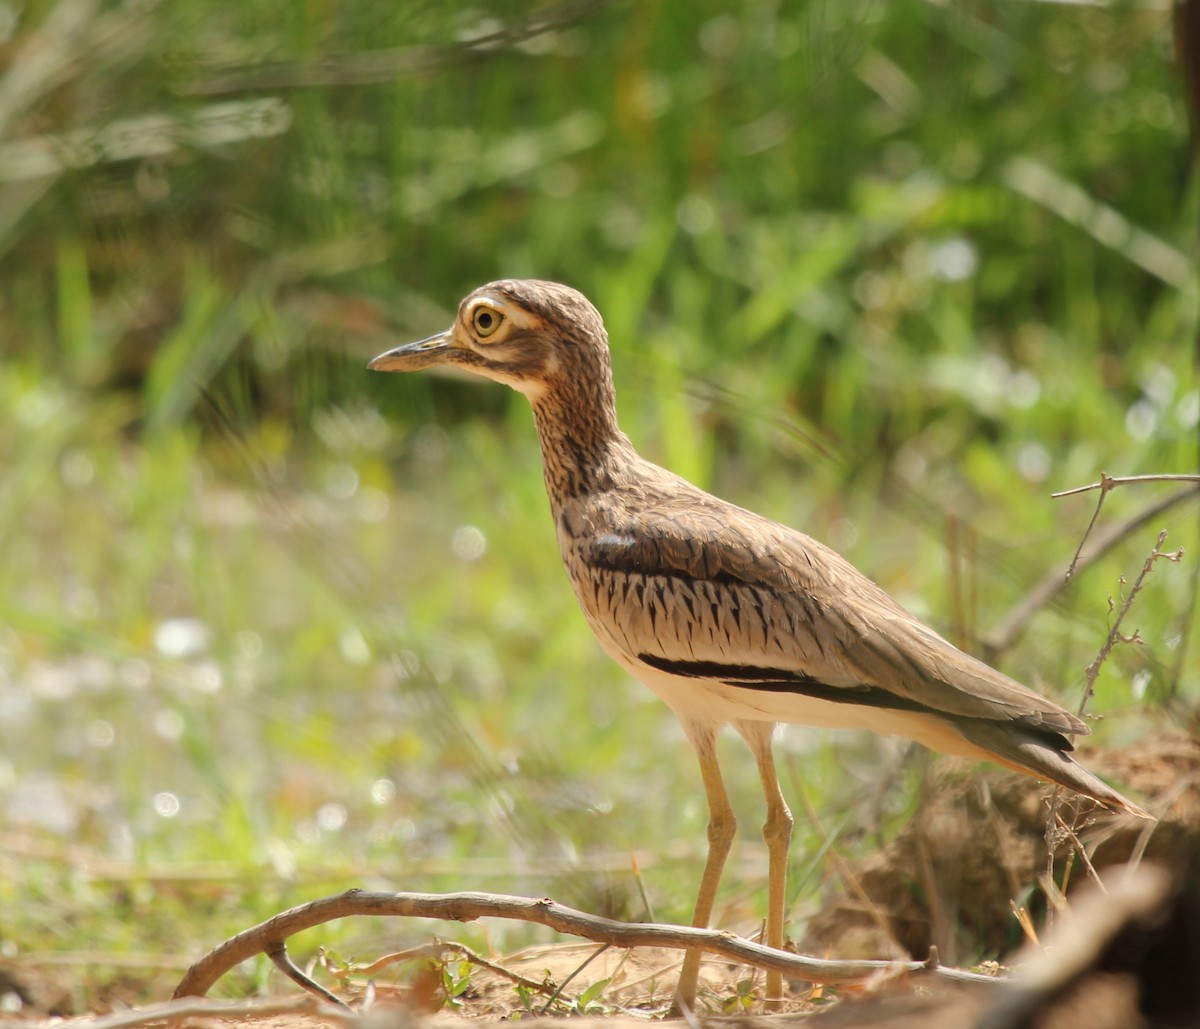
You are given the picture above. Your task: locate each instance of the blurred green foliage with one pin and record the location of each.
(890, 272)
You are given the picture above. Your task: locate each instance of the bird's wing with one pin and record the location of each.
(708, 590)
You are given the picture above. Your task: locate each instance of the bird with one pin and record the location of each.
(730, 618)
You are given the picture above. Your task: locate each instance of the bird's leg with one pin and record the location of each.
(721, 827)
(777, 834)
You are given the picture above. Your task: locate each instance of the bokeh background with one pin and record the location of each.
(272, 626)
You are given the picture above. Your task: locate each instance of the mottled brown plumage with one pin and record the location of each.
(729, 617)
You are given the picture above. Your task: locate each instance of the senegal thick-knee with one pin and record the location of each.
(729, 617)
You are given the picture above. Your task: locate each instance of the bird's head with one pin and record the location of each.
(525, 333)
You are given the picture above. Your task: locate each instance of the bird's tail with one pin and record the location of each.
(1045, 757)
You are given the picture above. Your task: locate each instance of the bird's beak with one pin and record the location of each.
(413, 356)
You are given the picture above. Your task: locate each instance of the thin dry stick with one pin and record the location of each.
(579, 968)
(1114, 634)
(1083, 854)
(641, 885)
(1053, 821)
(617, 984)
(1024, 921)
(1053, 583)
(435, 950)
(1107, 482)
(1105, 485)
(271, 935)
(1053, 837)
(650, 976)
(277, 952)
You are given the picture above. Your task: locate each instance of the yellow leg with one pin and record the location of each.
(777, 834)
(721, 827)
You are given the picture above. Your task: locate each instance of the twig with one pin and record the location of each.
(1083, 854)
(1105, 485)
(1107, 482)
(579, 968)
(646, 977)
(641, 885)
(1053, 583)
(1114, 634)
(435, 950)
(1053, 820)
(278, 954)
(466, 907)
(1024, 921)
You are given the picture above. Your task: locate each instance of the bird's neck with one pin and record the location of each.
(583, 449)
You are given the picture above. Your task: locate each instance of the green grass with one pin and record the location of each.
(876, 270)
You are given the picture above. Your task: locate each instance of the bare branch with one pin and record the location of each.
(1105, 485)
(567, 981)
(278, 954)
(1108, 482)
(270, 936)
(1114, 633)
(1083, 854)
(1056, 826)
(1052, 583)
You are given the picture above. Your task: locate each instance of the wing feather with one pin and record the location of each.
(717, 586)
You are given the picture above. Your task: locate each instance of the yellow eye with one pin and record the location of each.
(485, 321)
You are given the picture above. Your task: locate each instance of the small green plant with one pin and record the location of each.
(741, 999)
(334, 963)
(525, 996)
(456, 979)
(586, 1002)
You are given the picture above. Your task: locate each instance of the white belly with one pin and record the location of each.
(705, 702)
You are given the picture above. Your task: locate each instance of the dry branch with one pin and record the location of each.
(1106, 484)
(1056, 827)
(270, 937)
(1114, 633)
(1053, 582)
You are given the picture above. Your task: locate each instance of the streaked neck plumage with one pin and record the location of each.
(583, 449)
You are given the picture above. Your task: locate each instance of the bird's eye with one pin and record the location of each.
(486, 321)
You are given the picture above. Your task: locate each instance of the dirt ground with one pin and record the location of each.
(948, 880)
(978, 843)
